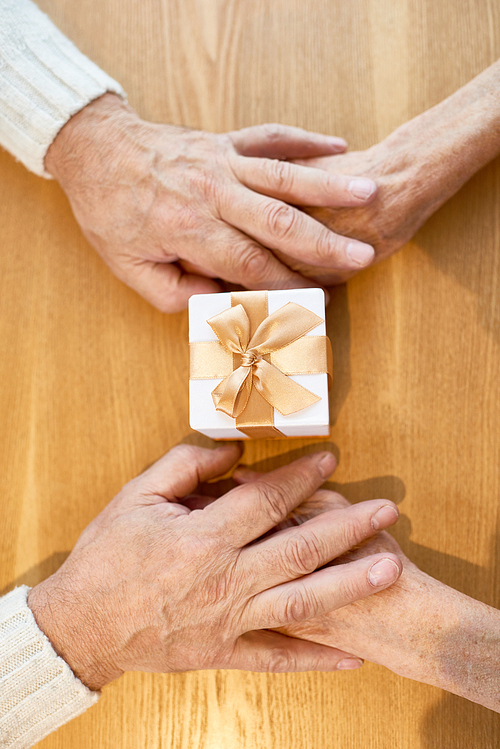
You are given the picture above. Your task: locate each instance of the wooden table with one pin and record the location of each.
(94, 381)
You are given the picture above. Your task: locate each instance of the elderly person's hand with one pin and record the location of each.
(152, 585)
(168, 208)
(417, 168)
(419, 628)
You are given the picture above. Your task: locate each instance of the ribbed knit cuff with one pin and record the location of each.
(44, 80)
(38, 690)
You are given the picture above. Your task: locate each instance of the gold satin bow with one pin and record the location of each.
(253, 368)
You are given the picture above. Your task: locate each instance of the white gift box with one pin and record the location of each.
(312, 421)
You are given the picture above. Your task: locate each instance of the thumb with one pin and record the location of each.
(284, 142)
(180, 471)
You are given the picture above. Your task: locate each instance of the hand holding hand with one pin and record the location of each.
(153, 586)
(408, 193)
(169, 209)
(419, 628)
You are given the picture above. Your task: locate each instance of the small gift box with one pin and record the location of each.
(260, 364)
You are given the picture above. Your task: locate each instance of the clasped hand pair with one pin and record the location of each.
(167, 579)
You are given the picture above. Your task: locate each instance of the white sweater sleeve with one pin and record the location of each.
(44, 80)
(38, 690)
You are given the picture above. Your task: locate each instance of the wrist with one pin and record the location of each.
(444, 638)
(80, 141)
(467, 648)
(444, 146)
(73, 635)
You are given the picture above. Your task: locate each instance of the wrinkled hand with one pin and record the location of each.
(169, 209)
(381, 628)
(417, 168)
(419, 628)
(153, 585)
(406, 197)
(392, 628)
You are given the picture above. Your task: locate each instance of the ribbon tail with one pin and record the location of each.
(232, 394)
(283, 393)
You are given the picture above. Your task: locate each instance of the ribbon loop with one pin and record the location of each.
(232, 327)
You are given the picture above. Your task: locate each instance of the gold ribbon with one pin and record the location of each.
(254, 355)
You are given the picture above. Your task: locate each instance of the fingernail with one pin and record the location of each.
(326, 465)
(347, 664)
(359, 253)
(361, 188)
(337, 142)
(387, 515)
(384, 572)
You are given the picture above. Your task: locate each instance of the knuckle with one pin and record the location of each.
(299, 606)
(352, 585)
(254, 264)
(302, 554)
(281, 174)
(327, 247)
(273, 500)
(351, 530)
(273, 131)
(280, 219)
(277, 661)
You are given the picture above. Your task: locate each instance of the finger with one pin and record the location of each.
(296, 552)
(321, 501)
(166, 287)
(179, 472)
(284, 142)
(245, 475)
(245, 513)
(276, 653)
(240, 259)
(282, 227)
(323, 591)
(303, 185)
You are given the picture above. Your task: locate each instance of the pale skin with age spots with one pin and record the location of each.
(419, 628)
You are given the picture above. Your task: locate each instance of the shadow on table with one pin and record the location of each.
(453, 721)
(38, 572)
(338, 324)
(456, 723)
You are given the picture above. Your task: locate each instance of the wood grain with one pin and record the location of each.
(94, 381)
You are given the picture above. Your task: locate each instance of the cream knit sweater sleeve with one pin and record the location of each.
(38, 690)
(44, 80)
